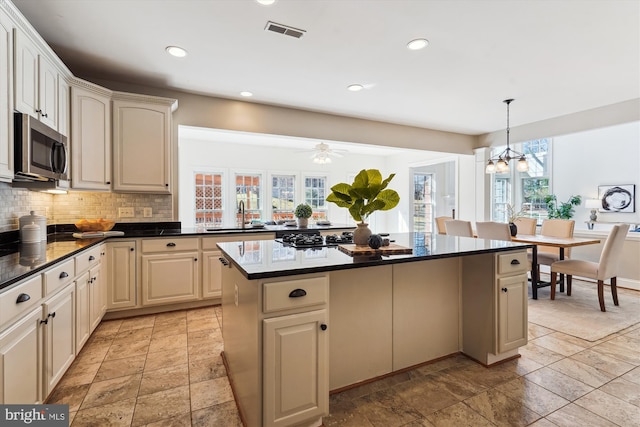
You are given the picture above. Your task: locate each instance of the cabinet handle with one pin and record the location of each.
(23, 298)
(515, 262)
(504, 289)
(223, 261)
(170, 245)
(91, 258)
(63, 275)
(45, 321)
(52, 314)
(297, 293)
(45, 115)
(323, 327)
(38, 111)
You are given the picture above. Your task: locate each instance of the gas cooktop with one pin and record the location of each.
(304, 241)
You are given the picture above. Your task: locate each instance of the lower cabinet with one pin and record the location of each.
(121, 274)
(295, 373)
(59, 336)
(211, 274)
(169, 278)
(97, 296)
(512, 312)
(83, 318)
(21, 353)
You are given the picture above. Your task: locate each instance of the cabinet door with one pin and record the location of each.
(168, 278)
(83, 301)
(59, 336)
(295, 368)
(21, 361)
(121, 274)
(26, 75)
(98, 296)
(64, 99)
(47, 92)
(512, 312)
(211, 274)
(90, 140)
(141, 151)
(6, 100)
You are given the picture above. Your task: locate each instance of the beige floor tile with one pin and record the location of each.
(137, 322)
(133, 335)
(558, 383)
(385, 408)
(458, 385)
(622, 348)
(633, 375)
(168, 342)
(203, 312)
(533, 396)
(210, 393)
(103, 392)
(183, 420)
(199, 352)
(121, 367)
(424, 396)
(224, 414)
(539, 354)
(93, 353)
(113, 414)
(171, 317)
(457, 415)
(108, 326)
(482, 377)
(164, 359)
(164, 379)
(573, 415)
(127, 349)
(199, 324)
(342, 412)
(582, 372)
(161, 406)
(559, 343)
(174, 328)
(456, 360)
(501, 410)
(536, 331)
(543, 422)
(521, 366)
(623, 389)
(603, 362)
(79, 373)
(206, 369)
(72, 396)
(610, 407)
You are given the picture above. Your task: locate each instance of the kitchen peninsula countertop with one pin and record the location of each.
(266, 258)
(19, 261)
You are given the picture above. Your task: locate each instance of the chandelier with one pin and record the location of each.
(500, 164)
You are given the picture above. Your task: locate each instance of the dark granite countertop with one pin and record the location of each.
(268, 258)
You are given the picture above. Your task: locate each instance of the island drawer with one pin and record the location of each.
(20, 299)
(60, 275)
(297, 293)
(170, 245)
(88, 259)
(512, 263)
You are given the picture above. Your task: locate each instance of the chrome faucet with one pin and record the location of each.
(241, 211)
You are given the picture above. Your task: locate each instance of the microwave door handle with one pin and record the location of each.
(54, 157)
(64, 163)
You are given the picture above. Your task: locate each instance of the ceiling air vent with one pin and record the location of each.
(284, 29)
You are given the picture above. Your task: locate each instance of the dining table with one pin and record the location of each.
(557, 242)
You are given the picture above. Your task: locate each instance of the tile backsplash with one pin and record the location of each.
(70, 207)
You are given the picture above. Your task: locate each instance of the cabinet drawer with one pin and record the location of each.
(88, 259)
(512, 263)
(10, 308)
(169, 245)
(59, 276)
(295, 293)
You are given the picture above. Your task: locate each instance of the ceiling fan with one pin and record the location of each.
(322, 153)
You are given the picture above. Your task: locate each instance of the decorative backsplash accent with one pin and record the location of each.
(75, 205)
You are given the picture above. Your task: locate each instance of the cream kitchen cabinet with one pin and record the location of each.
(98, 296)
(512, 296)
(169, 270)
(142, 143)
(90, 136)
(91, 293)
(59, 336)
(83, 318)
(36, 82)
(64, 106)
(121, 274)
(211, 274)
(6, 98)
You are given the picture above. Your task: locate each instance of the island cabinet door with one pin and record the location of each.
(512, 312)
(295, 368)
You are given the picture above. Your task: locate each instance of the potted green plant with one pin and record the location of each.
(512, 216)
(368, 193)
(563, 210)
(303, 212)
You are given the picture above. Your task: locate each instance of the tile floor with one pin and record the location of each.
(166, 370)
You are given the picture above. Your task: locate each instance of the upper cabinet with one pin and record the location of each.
(142, 143)
(90, 136)
(6, 101)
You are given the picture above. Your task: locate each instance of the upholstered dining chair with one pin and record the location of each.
(493, 230)
(526, 225)
(456, 227)
(606, 268)
(547, 255)
(440, 220)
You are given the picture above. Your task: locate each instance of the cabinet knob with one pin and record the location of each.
(515, 262)
(63, 275)
(223, 261)
(108, 182)
(23, 298)
(171, 245)
(91, 258)
(297, 293)
(195, 259)
(132, 249)
(323, 327)
(504, 289)
(166, 185)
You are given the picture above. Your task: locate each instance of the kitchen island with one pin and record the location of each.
(299, 324)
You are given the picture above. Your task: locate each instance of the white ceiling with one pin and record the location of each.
(554, 57)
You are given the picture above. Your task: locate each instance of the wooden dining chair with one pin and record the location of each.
(440, 220)
(493, 230)
(606, 268)
(526, 225)
(456, 227)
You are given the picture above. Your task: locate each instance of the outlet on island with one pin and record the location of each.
(147, 212)
(126, 212)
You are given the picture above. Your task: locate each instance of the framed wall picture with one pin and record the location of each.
(617, 198)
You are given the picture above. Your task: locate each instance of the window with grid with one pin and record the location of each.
(422, 202)
(209, 206)
(249, 191)
(315, 193)
(282, 196)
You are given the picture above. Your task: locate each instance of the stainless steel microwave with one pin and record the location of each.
(40, 153)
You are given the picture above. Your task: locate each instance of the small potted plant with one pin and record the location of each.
(512, 215)
(562, 210)
(303, 213)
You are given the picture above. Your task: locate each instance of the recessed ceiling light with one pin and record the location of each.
(355, 87)
(176, 51)
(417, 44)
(246, 93)
(266, 2)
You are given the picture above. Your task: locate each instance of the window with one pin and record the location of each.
(249, 190)
(422, 202)
(283, 196)
(315, 194)
(209, 206)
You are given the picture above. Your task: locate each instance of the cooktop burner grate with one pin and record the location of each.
(304, 241)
